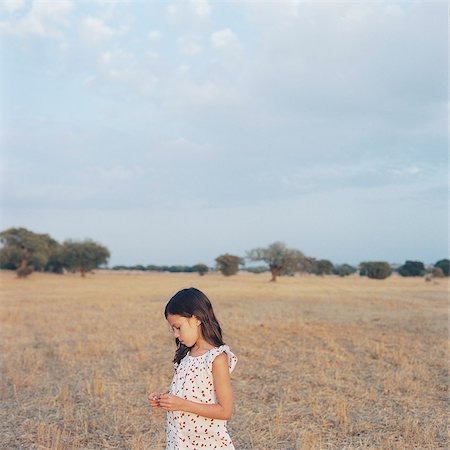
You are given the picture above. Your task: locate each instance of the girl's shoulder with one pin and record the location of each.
(216, 351)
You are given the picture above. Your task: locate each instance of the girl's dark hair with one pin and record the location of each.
(193, 302)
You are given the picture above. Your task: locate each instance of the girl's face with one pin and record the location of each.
(187, 330)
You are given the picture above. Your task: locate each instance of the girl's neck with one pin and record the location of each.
(200, 347)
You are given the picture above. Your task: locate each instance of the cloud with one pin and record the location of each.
(201, 8)
(189, 45)
(94, 30)
(12, 5)
(154, 35)
(44, 19)
(182, 148)
(116, 174)
(224, 38)
(119, 66)
(192, 12)
(404, 171)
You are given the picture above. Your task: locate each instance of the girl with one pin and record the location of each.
(200, 399)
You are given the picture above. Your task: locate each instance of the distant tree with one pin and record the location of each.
(444, 265)
(378, 270)
(25, 251)
(154, 268)
(412, 269)
(83, 256)
(200, 268)
(257, 269)
(280, 259)
(437, 272)
(343, 270)
(229, 264)
(322, 267)
(55, 262)
(177, 269)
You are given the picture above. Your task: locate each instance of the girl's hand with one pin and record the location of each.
(154, 399)
(171, 402)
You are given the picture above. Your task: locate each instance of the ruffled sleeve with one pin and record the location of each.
(232, 359)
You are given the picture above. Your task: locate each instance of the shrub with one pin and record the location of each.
(322, 267)
(412, 269)
(229, 264)
(378, 270)
(437, 272)
(444, 265)
(201, 269)
(343, 270)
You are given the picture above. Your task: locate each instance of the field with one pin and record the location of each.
(323, 362)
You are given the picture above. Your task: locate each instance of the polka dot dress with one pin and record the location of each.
(193, 381)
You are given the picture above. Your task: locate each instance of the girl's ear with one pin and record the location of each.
(197, 321)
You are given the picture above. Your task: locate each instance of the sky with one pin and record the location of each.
(173, 132)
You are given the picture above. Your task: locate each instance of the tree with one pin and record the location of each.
(378, 270)
(437, 272)
(279, 258)
(25, 251)
(229, 264)
(83, 256)
(444, 265)
(201, 269)
(343, 270)
(55, 262)
(412, 269)
(322, 267)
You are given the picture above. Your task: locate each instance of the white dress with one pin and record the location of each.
(193, 381)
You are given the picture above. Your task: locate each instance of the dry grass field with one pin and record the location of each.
(323, 363)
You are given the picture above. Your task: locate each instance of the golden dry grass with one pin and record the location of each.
(323, 363)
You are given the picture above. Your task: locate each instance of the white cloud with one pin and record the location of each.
(123, 67)
(182, 148)
(54, 11)
(356, 15)
(117, 63)
(172, 10)
(89, 81)
(12, 5)
(189, 45)
(93, 29)
(201, 8)
(224, 38)
(44, 19)
(154, 35)
(189, 13)
(116, 174)
(404, 171)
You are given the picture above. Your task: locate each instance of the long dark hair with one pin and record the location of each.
(187, 303)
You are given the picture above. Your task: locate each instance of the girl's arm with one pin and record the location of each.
(222, 382)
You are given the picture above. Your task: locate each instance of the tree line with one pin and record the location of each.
(281, 260)
(25, 251)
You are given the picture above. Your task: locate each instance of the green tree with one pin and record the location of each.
(378, 270)
(55, 262)
(200, 268)
(83, 256)
(25, 251)
(343, 270)
(444, 265)
(322, 267)
(412, 269)
(229, 264)
(280, 259)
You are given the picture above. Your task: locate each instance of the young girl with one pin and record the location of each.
(200, 399)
